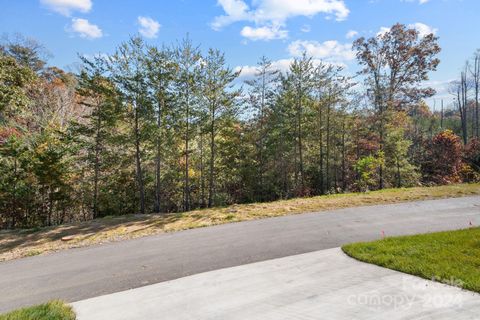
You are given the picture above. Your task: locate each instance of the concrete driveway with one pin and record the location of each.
(319, 285)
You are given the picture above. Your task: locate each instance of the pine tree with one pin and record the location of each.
(187, 59)
(128, 69)
(219, 99)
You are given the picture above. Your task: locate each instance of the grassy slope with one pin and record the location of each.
(21, 243)
(451, 257)
(53, 310)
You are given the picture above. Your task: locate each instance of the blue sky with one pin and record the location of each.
(244, 29)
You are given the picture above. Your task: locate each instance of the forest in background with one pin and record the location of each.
(150, 129)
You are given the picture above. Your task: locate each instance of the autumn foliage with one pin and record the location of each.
(6, 133)
(443, 159)
(149, 129)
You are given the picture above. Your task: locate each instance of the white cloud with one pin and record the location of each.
(66, 7)
(351, 34)
(422, 29)
(283, 65)
(331, 50)
(276, 12)
(306, 28)
(85, 29)
(328, 52)
(419, 1)
(249, 72)
(442, 88)
(148, 27)
(264, 33)
(382, 31)
(280, 10)
(99, 55)
(235, 10)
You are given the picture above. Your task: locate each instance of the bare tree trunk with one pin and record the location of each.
(284, 179)
(465, 107)
(344, 166)
(141, 188)
(357, 150)
(320, 137)
(380, 106)
(476, 84)
(50, 205)
(472, 124)
(186, 203)
(295, 154)
(300, 148)
(96, 174)
(399, 177)
(327, 170)
(158, 158)
(14, 202)
(462, 107)
(211, 188)
(202, 174)
(284, 168)
(261, 162)
(432, 119)
(335, 171)
(441, 117)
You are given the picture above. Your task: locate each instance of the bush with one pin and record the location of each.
(53, 310)
(468, 174)
(472, 153)
(443, 159)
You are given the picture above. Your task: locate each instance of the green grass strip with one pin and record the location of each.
(53, 310)
(451, 257)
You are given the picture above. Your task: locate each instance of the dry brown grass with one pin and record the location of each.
(22, 243)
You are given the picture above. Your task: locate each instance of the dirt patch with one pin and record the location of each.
(22, 243)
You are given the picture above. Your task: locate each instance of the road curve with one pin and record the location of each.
(83, 273)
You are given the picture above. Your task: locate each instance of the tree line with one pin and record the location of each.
(150, 129)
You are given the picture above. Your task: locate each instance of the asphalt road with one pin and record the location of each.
(82, 273)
